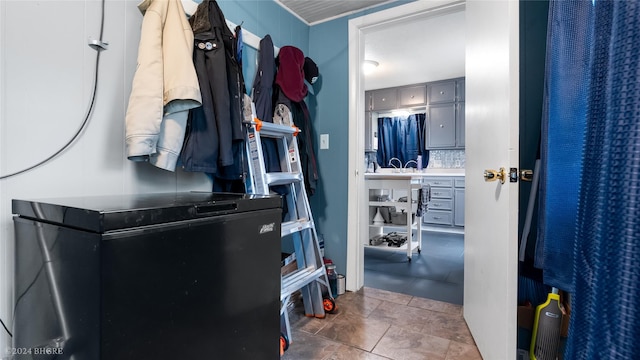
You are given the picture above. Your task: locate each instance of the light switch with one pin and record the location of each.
(324, 141)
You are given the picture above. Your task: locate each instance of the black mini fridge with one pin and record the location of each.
(160, 276)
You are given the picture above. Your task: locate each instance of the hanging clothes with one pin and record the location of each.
(214, 141)
(261, 92)
(165, 86)
(290, 90)
(231, 178)
(302, 119)
(263, 82)
(239, 42)
(290, 75)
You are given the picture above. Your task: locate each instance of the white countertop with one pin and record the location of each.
(409, 173)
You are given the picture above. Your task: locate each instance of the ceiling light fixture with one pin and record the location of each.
(369, 65)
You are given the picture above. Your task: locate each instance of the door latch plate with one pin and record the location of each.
(513, 175)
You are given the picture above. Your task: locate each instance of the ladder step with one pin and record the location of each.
(282, 178)
(271, 129)
(291, 227)
(298, 279)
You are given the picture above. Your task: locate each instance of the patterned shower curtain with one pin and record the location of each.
(604, 239)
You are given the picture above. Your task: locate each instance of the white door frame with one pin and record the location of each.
(358, 28)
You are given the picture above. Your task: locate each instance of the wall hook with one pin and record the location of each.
(98, 45)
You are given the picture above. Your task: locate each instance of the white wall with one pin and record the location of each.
(46, 77)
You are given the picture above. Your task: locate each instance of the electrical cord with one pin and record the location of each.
(35, 278)
(6, 329)
(80, 130)
(87, 116)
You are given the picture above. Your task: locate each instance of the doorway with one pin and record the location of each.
(422, 49)
(367, 37)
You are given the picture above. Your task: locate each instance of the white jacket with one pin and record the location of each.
(165, 85)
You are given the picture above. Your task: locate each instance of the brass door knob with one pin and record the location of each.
(493, 175)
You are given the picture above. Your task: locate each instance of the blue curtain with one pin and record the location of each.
(601, 240)
(402, 137)
(566, 87)
(607, 243)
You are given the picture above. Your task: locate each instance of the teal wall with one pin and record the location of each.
(327, 44)
(330, 51)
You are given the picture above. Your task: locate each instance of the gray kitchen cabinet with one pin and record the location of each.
(441, 92)
(437, 217)
(460, 89)
(445, 115)
(446, 207)
(409, 96)
(370, 132)
(444, 102)
(440, 207)
(441, 126)
(368, 100)
(460, 125)
(384, 99)
(458, 216)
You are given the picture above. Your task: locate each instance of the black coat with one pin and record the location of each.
(214, 138)
(263, 83)
(302, 119)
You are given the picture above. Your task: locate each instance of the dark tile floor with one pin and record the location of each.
(407, 310)
(436, 273)
(374, 324)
